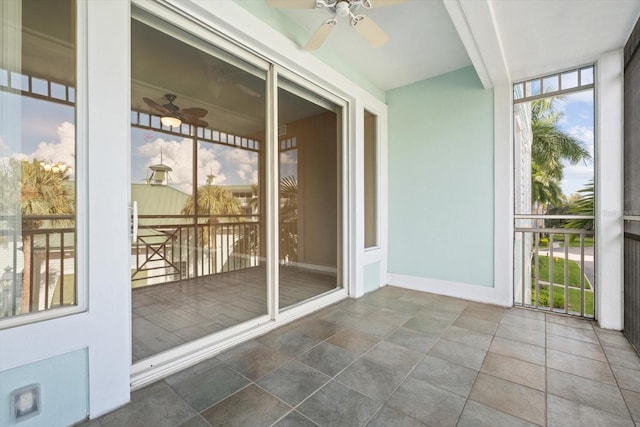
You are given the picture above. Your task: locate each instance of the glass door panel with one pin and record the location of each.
(38, 160)
(309, 194)
(197, 175)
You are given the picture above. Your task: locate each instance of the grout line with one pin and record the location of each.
(546, 372)
(615, 377)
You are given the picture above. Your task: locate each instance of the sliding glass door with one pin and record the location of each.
(199, 176)
(309, 141)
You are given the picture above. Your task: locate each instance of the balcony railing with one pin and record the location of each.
(39, 260)
(177, 247)
(554, 270)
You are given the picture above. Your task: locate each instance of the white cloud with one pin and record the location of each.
(289, 158)
(178, 155)
(575, 178)
(243, 163)
(561, 104)
(245, 172)
(585, 96)
(582, 133)
(62, 150)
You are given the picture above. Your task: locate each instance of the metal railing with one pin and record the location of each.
(178, 247)
(554, 269)
(37, 255)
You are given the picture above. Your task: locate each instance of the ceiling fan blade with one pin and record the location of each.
(368, 29)
(321, 34)
(194, 112)
(292, 4)
(374, 4)
(153, 104)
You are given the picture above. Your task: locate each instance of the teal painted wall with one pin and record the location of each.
(64, 389)
(300, 35)
(441, 179)
(371, 277)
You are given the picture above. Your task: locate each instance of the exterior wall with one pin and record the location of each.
(371, 277)
(441, 182)
(64, 383)
(88, 354)
(522, 141)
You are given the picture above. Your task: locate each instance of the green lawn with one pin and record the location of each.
(558, 271)
(558, 299)
(69, 297)
(575, 243)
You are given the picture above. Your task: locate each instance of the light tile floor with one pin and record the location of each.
(402, 358)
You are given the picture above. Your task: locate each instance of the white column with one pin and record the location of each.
(106, 142)
(503, 195)
(609, 190)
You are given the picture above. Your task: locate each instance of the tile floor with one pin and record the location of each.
(168, 315)
(402, 358)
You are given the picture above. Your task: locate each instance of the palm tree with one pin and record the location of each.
(213, 201)
(289, 219)
(551, 147)
(288, 199)
(35, 191)
(545, 190)
(582, 206)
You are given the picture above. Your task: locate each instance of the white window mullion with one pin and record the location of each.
(272, 196)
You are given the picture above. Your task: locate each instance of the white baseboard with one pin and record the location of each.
(478, 293)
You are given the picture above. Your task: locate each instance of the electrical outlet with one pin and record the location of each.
(25, 402)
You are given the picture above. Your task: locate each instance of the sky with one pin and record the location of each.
(578, 121)
(230, 165)
(47, 132)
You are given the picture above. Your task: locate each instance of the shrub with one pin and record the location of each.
(543, 298)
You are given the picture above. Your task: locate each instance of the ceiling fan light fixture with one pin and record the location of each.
(170, 121)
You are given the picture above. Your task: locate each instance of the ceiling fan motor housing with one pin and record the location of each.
(343, 8)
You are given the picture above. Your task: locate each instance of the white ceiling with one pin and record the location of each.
(423, 42)
(540, 37)
(503, 39)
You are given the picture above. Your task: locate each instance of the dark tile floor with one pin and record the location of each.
(168, 315)
(402, 358)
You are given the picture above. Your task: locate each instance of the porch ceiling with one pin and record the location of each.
(505, 40)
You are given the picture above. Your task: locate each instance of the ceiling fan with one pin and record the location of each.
(173, 116)
(364, 25)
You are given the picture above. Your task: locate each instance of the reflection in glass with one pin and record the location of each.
(198, 265)
(37, 164)
(309, 159)
(370, 180)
